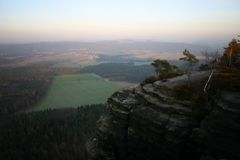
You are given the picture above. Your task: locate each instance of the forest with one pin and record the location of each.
(22, 87)
(121, 71)
(49, 134)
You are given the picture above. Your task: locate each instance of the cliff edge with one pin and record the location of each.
(171, 120)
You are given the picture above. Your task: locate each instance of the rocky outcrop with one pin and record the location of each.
(218, 136)
(149, 122)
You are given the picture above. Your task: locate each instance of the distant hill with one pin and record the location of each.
(102, 47)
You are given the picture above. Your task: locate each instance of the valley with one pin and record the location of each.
(71, 102)
(47, 75)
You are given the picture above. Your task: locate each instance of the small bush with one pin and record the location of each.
(168, 75)
(151, 79)
(162, 76)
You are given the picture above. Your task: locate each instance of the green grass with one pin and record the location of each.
(76, 90)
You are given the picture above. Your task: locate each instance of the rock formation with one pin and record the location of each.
(154, 122)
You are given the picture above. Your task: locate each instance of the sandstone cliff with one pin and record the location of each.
(170, 121)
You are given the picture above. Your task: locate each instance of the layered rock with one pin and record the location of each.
(149, 122)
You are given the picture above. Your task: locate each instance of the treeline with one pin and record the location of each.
(22, 87)
(121, 71)
(50, 134)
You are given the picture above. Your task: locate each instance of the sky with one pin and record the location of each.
(89, 20)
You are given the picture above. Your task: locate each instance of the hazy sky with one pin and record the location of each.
(164, 20)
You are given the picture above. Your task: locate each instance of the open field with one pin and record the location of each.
(76, 90)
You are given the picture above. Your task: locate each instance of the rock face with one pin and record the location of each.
(220, 130)
(150, 123)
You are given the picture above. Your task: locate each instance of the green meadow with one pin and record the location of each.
(76, 90)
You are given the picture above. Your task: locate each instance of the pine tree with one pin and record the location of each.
(191, 60)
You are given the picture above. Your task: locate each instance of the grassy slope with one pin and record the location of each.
(77, 90)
